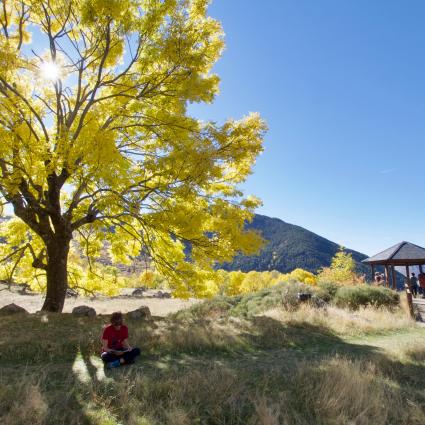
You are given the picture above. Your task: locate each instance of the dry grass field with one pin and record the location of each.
(302, 366)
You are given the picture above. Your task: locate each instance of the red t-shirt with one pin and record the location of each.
(115, 337)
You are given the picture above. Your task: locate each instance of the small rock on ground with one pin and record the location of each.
(84, 310)
(11, 309)
(141, 313)
(139, 292)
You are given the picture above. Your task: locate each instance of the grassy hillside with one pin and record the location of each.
(211, 365)
(288, 248)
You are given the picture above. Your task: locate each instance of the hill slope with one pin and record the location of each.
(289, 247)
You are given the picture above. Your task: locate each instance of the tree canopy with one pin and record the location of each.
(342, 269)
(97, 144)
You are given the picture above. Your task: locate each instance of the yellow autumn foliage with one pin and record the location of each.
(342, 270)
(302, 276)
(222, 282)
(98, 150)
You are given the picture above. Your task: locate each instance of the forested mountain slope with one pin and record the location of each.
(289, 247)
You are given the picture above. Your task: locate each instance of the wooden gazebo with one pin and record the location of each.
(404, 254)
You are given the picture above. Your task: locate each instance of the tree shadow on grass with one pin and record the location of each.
(191, 344)
(266, 358)
(50, 363)
(182, 364)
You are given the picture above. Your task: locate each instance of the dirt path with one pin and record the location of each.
(103, 305)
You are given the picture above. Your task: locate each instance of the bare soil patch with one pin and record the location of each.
(103, 305)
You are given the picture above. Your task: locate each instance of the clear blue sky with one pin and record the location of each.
(341, 84)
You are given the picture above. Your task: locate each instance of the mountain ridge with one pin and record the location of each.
(289, 247)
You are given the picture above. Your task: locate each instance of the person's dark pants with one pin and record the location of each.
(414, 290)
(128, 356)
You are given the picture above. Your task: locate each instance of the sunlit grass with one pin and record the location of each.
(303, 366)
(80, 369)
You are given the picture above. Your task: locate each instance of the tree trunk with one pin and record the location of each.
(56, 273)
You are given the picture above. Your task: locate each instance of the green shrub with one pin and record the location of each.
(284, 294)
(326, 290)
(354, 297)
(208, 309)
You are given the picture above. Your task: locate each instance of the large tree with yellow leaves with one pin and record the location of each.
(96, 143)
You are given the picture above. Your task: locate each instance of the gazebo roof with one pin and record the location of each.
(404, 253)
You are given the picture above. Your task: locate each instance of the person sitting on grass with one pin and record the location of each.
(116, 350)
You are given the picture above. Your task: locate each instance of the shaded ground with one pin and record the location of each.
(222, 371)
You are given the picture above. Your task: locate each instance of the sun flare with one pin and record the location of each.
(50, 71)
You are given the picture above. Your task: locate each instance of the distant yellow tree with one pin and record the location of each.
(303, 276)
(237, 282)
(234, 282)
(147, 278)
(341, 270)
(96, 142)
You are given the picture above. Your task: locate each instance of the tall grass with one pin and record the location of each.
(333, 390)
(344, 322)
(268, 364)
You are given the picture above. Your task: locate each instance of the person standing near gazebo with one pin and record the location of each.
(414, 285)
(378, 278)
(421, 279)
